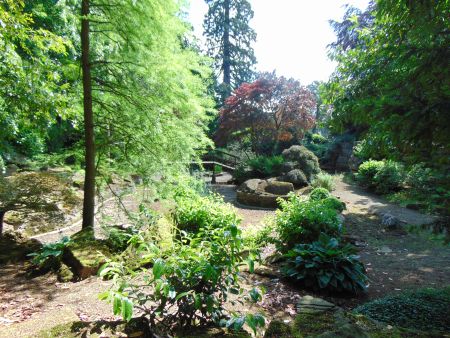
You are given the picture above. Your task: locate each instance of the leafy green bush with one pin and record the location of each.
(317, 138)
(425, 309)
(319, 194)
(334, 203)
(420, 178)
(266, 166)
(302, 221)
(191, 214)
(367, 171)
(48, 251)
(389, 177)
(324, 265)
(194, 278)
(323, 180)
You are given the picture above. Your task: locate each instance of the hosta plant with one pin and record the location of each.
(325, 265)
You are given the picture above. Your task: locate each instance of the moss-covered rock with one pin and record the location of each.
(15, 247)
(85, 254)
(65, 274)
(304, 160)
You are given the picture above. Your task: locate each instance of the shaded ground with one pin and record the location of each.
(395, 261)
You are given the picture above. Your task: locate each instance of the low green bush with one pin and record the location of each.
(266, 166)
(193, 213)
(323, 180)
(2, 166)
(304, 160)
(382, 176)
(334, 203)
(317, 138)
(324, 265)
(319, 194)
(49, 251)
(424, 309)
(389, 177)
(367, 171)
(195, 276)
(302, 221)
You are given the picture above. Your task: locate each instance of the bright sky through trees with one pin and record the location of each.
(292, 34)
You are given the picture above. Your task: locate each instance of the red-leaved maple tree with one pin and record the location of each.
(270, 110)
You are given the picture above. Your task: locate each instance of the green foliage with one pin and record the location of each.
(50, 250)
(304, 160)
(424, 309)
(389, 177)
(367, 171)
(318, 138)
(381, 176)
(194, 213)
(302, 221)
(2, 166)
(334, 203)
(266, 166)
(373, 52)
(195, 275)
(324, 265)
(319, 194)
(323, 180)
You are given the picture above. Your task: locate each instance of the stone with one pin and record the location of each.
(64, 273)
(310, 304)
(296, 177)
(345, 331)
(277, 329)
(279, 188)
(252, 185)
(384, 250)
(85, 254)
(389, 221)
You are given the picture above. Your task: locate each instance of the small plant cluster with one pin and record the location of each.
(381, 176)
(417, 183)
(259, 167)
(323, 180)
(188, 282)
(307, 234)
(424, 309)
(324, 265)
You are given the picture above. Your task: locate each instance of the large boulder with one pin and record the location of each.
(296, 177)
(298, 157)
(263, 193)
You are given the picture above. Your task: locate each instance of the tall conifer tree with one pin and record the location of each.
(229, 38)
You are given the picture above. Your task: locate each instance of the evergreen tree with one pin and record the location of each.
(229, 39)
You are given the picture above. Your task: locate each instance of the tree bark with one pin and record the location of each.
(2, 216)
(89, 178)
(226, 65)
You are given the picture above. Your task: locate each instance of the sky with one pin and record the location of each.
(292, 35)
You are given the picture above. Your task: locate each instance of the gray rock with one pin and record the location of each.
(279, 188)
(389, 221)
(296, 177)
(384, 250)
(252, 185)
(310, 304)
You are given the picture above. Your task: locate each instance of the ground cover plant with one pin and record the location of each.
(323, 180)
(325, 265)
(424, 309)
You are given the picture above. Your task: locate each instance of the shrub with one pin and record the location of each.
(304, 159)
(317, 138)
(302, 221)
(324, 265)
(49, 251)
(420, 178)
(389, 177)
(266, 166)
(191, 214)
(425, 309)
(319, 194)
(188, 284)
(334, 203)
(367, 171)
(323, 180)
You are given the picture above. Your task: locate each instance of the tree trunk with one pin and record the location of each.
(226, 65)
(2, 216)
(89, 178)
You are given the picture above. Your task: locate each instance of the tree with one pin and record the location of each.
(393, 85)
(229, 38)
(268, 110)
(143, 89)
